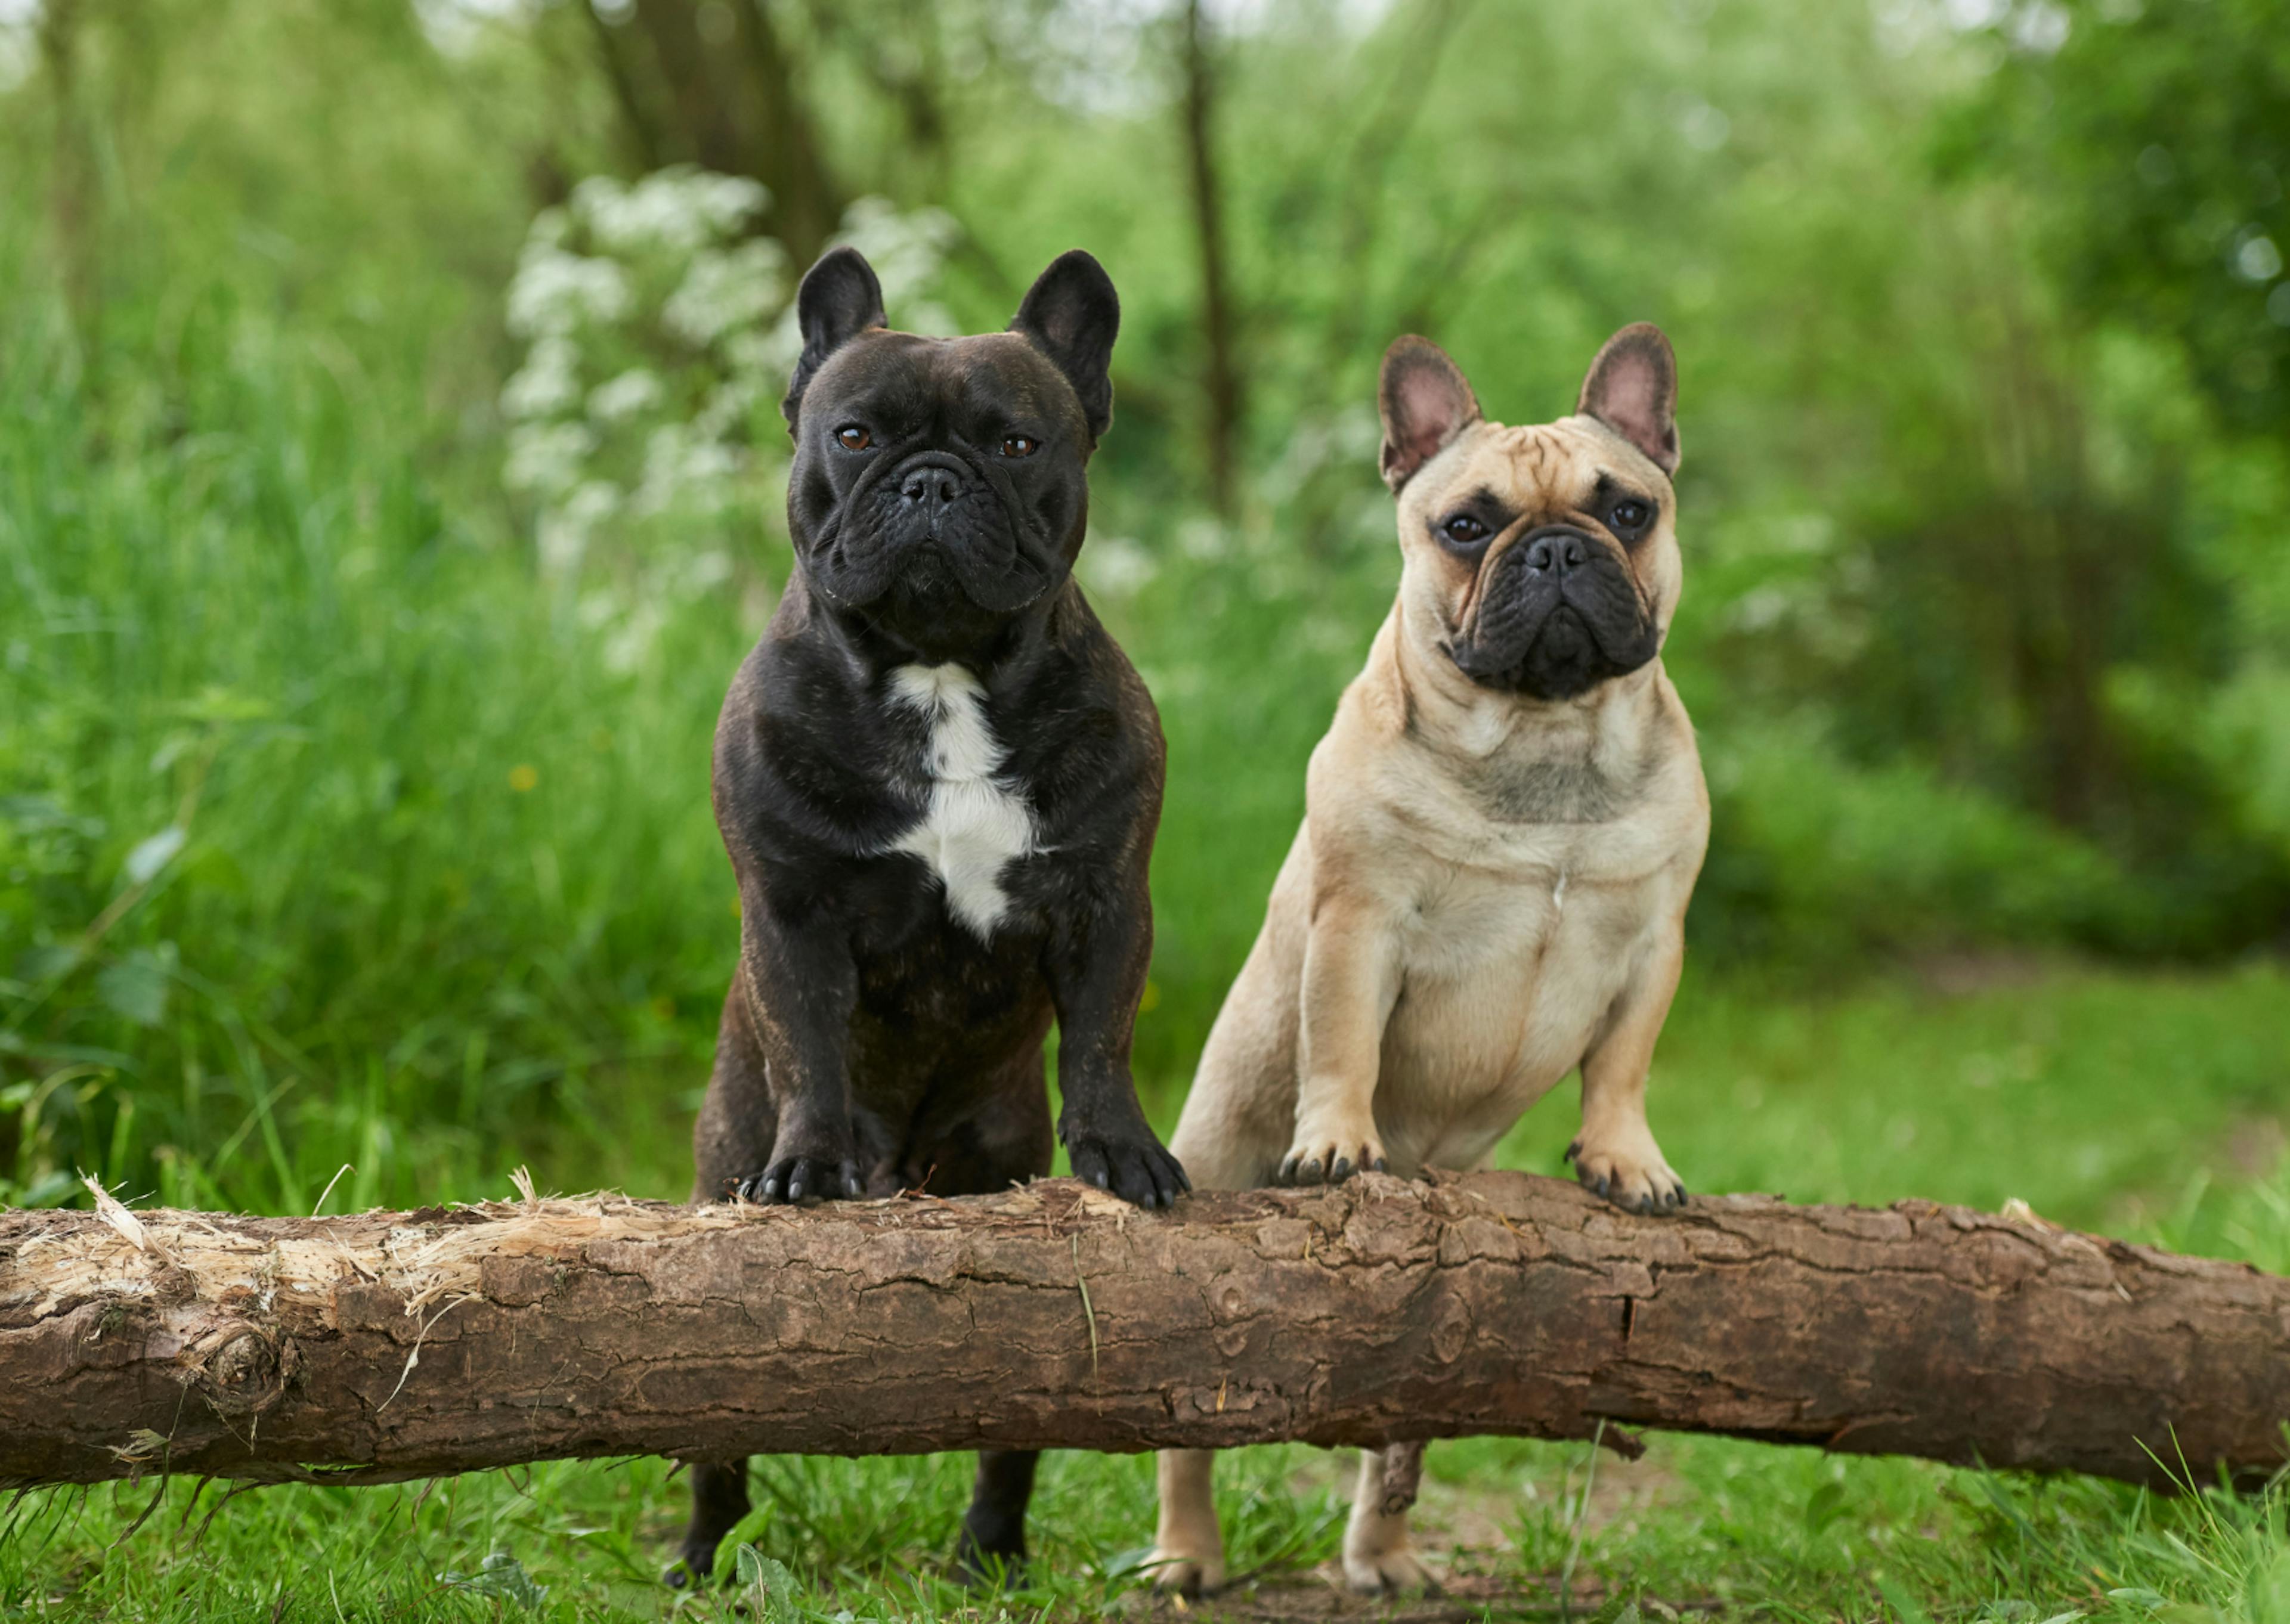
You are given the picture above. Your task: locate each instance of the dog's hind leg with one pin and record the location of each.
(992, 1548)
(738, 1123)
(1378, 1557)
(1236, 1124)
(1232, 1141)
(1188, 1548)
(719, 1499)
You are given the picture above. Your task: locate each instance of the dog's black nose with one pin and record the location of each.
(931, 486)
(1555, 555)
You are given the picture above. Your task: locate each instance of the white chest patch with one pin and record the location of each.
(974, 823)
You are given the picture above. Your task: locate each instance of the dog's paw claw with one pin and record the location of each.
(1138, 1169)
(791, 1180)
(1636, 1181)
(1330, 1158)
(689, 1571)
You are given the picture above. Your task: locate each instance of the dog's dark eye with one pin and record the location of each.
(1020, 446)
(1463, 530)
(851, 437)
(1630, 515)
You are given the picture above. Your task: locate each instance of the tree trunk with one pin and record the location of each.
(805, 204)
(707, 121)
(641, 130)
(1220, 379)
(402, 1345)
(715, 84)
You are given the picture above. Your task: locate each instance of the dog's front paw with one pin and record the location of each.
(1134, 1166)
(1635, 1178)
(795, 1175)
(1330, 1153)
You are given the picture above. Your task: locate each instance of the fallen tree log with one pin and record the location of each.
(392, 1346)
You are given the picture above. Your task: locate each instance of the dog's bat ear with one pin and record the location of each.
(1425, 402)
(838, 300)
(1632, 388)
(1072, 314)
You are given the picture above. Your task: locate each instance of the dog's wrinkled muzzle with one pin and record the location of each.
(931, 530)
(1557, 613)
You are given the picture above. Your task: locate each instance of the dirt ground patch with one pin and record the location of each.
(1463, 1532)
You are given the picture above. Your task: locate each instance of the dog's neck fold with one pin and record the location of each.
(1452, 715)
(873, 654)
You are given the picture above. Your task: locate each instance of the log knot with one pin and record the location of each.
(1451, 1329)
(239, 1368)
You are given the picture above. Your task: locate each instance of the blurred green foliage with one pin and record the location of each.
(2161, 136)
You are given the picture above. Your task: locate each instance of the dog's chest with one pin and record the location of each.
(1509, 966)
(975, 822)
(1468, 925)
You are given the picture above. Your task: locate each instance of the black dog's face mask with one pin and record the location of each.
(1543, 560)
(941, 485)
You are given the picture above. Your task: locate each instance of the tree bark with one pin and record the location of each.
(401, 1345)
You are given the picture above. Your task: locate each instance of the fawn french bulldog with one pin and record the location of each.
(1502, 828)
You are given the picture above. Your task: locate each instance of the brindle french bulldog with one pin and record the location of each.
(938, 781)
(1502, 830)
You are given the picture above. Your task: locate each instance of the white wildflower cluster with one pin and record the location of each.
(658, 332)
(681, 210)
(647, 313)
